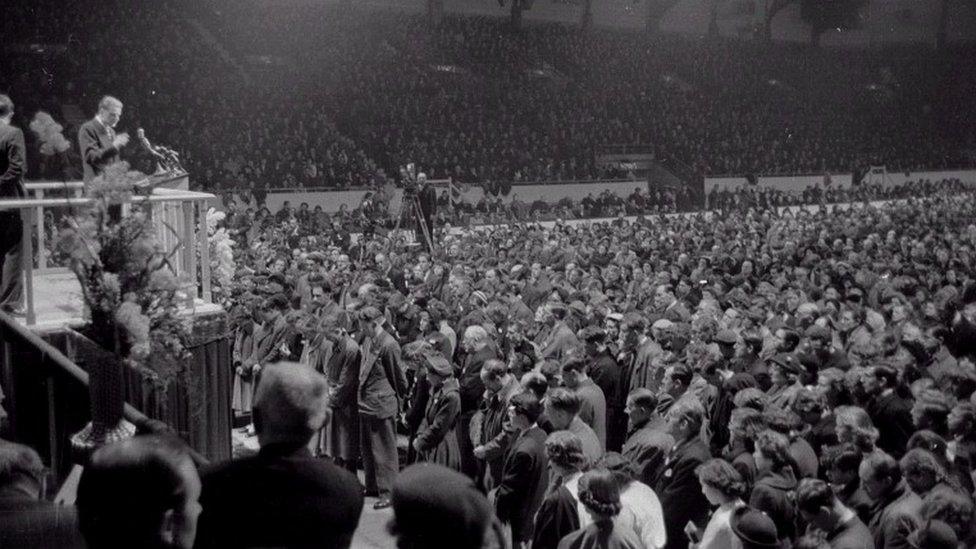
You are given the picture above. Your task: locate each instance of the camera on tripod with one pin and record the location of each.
(410, 180)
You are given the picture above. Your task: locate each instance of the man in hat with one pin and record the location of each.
(382, 388)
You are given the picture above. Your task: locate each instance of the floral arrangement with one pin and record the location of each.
(222, 265)
(131, 294)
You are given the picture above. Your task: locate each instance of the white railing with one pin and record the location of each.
(179, 217)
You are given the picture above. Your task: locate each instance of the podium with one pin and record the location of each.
(50, 396)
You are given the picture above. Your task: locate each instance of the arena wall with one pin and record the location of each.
(801, 182)
(331, 200)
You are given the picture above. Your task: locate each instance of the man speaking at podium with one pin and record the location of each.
(13, 165)
(97, 139)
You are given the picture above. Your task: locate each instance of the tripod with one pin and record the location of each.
(411, 202)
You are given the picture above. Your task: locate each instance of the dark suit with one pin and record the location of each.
(680, 492)
(382, 384)
(13, 166)
(282, 497)
(97, 150)
(472, 392)
(896, 516)
(647, 446)
(523, 484)
(893, 415)
(342, 429)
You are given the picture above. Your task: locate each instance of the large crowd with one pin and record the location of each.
(749, 378)
(774, 379)
(279, 103)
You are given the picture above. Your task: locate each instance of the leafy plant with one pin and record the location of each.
(129, 289)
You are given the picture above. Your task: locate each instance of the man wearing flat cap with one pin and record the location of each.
(382, 388)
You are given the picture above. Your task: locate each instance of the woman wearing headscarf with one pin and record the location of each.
(436, 439)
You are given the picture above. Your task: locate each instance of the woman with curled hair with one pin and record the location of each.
(924, 474)
(559, 515)
(724, 487)
(600, 496)
(853, 425)
(776, 481)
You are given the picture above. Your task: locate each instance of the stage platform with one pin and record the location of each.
(58, 303)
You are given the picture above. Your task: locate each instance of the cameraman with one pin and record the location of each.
(428, 204)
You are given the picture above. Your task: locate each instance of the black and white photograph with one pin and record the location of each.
(488, 274)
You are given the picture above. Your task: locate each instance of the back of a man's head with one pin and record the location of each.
(290, 404)
(21, 471)
(141, 492)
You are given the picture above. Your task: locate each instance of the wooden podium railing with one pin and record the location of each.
(179, 217)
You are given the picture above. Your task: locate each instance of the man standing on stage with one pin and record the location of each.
(97, 139)
(13, 166)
